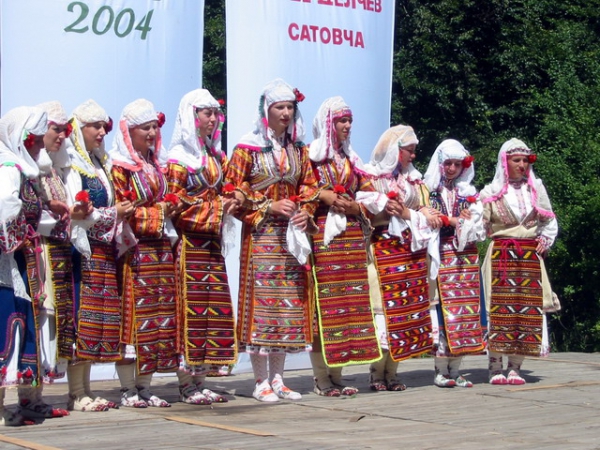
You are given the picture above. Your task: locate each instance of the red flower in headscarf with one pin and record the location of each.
(68, 129)
(161, 119)
(299, 95)
(532, 159)
(29, 141)
(82, 196)
(109, 125)
(472, 198)
(221, 102)
(339, 189)
(445, 221)
(466, 163)
(295, 198)
(171, 198)
(392, 195)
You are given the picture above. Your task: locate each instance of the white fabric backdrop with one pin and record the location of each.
(71, 50)
(322, 47)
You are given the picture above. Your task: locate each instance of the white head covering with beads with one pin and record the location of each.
(15, 125)
(385, 156)
(123, 154)
(87, 113)
(187, 146)
(59, 159)
(434, 176)
(499, 185)
(262, 136)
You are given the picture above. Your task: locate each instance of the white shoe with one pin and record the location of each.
(282, 391)
(442, 380)
(264, 393)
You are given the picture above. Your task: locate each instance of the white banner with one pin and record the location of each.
(113, 51)
(322, 47)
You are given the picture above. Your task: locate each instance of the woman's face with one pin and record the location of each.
(143, 137)
(342, 128)
(452, 168)
(280, 116)
(406, 155)
(207, 119)
(54, 137)
(517, 166)
(93, 134)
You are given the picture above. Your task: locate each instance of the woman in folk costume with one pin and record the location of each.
(454, 261)
(346, 331)
(518, 217)
(271, 172)
(399, 244)
(55, 279)
(88, 331)
(196, 165)
(147, 268)
(21, 136)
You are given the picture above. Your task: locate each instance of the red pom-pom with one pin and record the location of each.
(228, 188)
(471, 198)
(392, 195)
(295, 198)
(299, 95)
(82, 196)
(466, 163)
(109, 125)
(29, 141)
(221, 102)
(171, 198)
(339, 189)
(28, 373)
(161, 119)
(532, 159)
(445, 221)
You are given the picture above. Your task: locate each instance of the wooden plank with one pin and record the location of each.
(26, 444)
(554, 386)
(218, 426)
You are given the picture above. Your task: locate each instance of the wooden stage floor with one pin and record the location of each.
(558, 408)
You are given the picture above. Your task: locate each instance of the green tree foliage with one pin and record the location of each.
(483, 72)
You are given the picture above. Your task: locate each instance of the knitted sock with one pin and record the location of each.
(377, 369)
(199, 380)
(454, 365)
(335, 374)
(320, 371)
(259, 367)
(494, 363)
(143, 381)
(514, 362)
(126, 373)
(276, 364)
(441, 365)
(75, 380)
(391, 367)
(184, 378)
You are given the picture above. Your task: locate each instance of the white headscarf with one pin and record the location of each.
(15, 125)
(56, 115)
(323, 147)
(136, 113)
(262, 137)
(450, 149)
(86, 113)
(499, 184)
(384, 159)
(186, 144)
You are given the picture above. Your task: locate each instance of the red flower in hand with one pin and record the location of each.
(466, 163)
(295, 198)
(445, 221)
(29, 141)
(228, 188)
(221, 102)
(532, 159)
(339, 189)
(472, 198)
(161, 119)
(68, 129)
(129, 195)
(171, 198)
(392, 195)
(299, 95)
(82, 196)
(109, 125)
